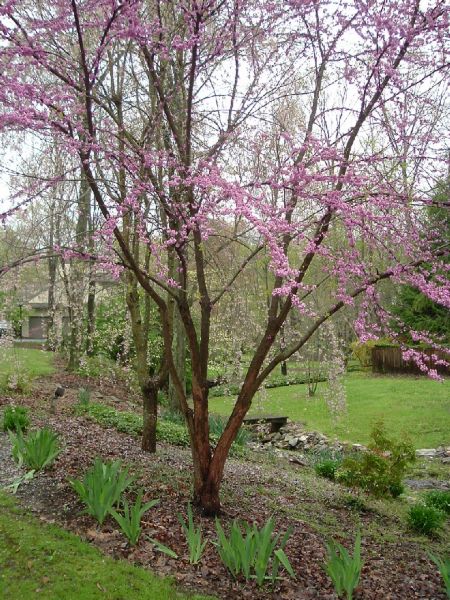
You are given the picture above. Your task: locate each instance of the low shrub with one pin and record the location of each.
(327, 468)
(130, 520)
(355, 503)
(101, 487)
(254, 553)
(37, 451)
(438, 499)
(15, 418)
(174, 416)
(84, 397)
(363, 352)
(107, 416)
(379, 470)
(216, 428)
(127, 422)
(343, 569)
(426, 520)
(171, 433)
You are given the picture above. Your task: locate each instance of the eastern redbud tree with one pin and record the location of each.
(170, 109)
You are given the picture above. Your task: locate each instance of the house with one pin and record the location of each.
(36, 310)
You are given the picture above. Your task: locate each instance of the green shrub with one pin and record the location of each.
(171, 433)
(102, 487)
(396, 488)
(127, 422)
(443, 564)
(84, 397)
(253, 552)
(15, 418)
(343, 569)
(327, 468)
(217, 425)
(37, 451)
(362, 351)
(173, 416)
(130, 521)
(426, 520)
(379, 470)
(174, 433)
(354, 503)
(131, 423)
(439, 499)
(193, 537)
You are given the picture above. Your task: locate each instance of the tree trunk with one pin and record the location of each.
(90, 326)
(52, 267)
(150, 414)
(207, 497)
(179, 357)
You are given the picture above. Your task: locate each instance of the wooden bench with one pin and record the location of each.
(275, 422)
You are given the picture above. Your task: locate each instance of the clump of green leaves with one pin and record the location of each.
(344, 569)
(381, 469)
(130, 520)
(193, 537)
(354, 502)
(443, 564)
(15, 418)
(440, 499)
(162, 548)
(327, 468)
(101, 488)
(37, 451)
(217, 425)
(253, 552)
(426, 520)
(131, 423)
(15, 485)
(84, 397)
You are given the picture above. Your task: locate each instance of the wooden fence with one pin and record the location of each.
(389, 359)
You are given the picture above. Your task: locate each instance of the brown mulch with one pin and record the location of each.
(253, 490)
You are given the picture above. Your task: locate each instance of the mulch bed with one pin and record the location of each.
(394, 570)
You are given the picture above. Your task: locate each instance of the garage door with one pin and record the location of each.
(38, 327)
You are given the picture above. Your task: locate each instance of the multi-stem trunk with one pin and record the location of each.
(209, 465)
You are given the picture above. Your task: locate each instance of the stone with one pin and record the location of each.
(298, 461)
(426, 452)
(293, 442)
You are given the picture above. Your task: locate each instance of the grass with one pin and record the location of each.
(36, 363)
(43, 561)
(416, 406)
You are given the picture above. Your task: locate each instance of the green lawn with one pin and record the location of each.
(43, 561)
(418, 407)
(24, 362)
